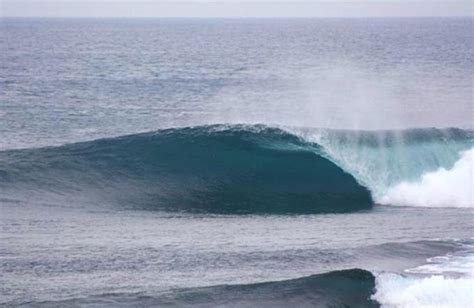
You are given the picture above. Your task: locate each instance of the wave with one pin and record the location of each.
(346, 288)
(216, 169)
(446, 281)
(249, 169)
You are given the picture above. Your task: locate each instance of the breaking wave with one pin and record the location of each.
(416, 167)
(249, 169)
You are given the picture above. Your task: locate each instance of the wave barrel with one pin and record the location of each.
(237, 170)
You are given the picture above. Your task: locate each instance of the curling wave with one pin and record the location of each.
(249, 169)
(212, 169)
(416, 167)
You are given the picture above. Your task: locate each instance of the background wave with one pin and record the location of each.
(347, 288)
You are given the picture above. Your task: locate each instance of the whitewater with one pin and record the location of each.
(446, 281)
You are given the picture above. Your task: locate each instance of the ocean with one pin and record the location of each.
(312, 162)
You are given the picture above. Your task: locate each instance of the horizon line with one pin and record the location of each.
(235, 9)
(234, 17)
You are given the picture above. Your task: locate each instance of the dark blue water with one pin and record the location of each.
(236, 162)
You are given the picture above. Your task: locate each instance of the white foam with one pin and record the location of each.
(450, 284)
(463, 264)
(441, 188)
(397, 291)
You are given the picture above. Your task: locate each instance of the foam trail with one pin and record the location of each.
(441, 188)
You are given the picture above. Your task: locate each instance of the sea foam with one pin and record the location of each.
(395, 290)
(446, 281)
(441, 188)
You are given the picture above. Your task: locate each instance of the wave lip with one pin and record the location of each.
(210, 169)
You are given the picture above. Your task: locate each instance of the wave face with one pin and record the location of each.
(347, 288)
(212, 169)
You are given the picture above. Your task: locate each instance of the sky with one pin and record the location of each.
(234, 8)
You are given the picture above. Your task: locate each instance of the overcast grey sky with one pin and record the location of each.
(234, 8)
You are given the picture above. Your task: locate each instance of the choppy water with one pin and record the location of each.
(340, 171)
